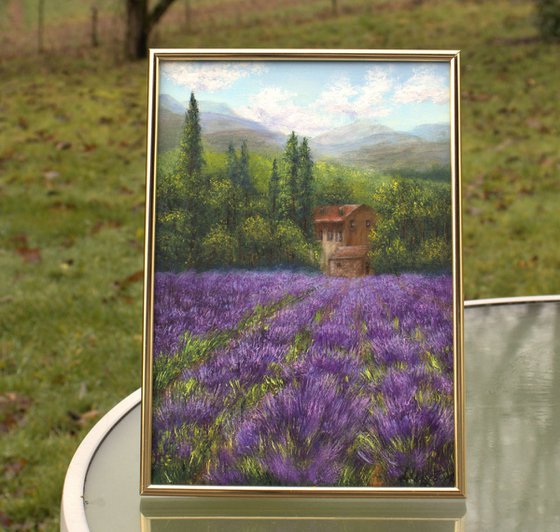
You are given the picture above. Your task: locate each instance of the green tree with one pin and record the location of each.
(245, 180)
(290, 189)
(219, 248)
(233, 174)
(291, 247)
(189, 167)
(305, 193)
(334, 191)
(257, 241)
(191, 158)
(413, 232)
(171, 222)
(273, 191)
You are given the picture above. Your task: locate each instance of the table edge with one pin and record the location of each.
(72, 513)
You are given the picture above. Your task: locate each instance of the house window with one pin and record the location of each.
(368, 223)
(329, 235)
(339, 265)
(339, 236)
(319, 235)
(352, 225)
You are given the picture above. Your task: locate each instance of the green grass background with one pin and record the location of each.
(72, 156)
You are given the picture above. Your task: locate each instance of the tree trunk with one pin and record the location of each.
(139, 24)
(40, 25)
(94, 37)
(136, 41)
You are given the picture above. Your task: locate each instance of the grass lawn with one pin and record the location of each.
(72, 130)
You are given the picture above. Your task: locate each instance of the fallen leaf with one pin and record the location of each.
(20, 240)
(51, 174)
(5, 519)
(476, 96)
(65, 264)
(63, 145)
(13, 469)
(546, 161)
(125, 190)
(83, 419)
(89, 415)
(105, 224)
(132, 278)
(29, 254)
(506, 143)
(526, 191)
(13, 407)
(62, 206)
(89, 147)
(44, 135)
(535, 123)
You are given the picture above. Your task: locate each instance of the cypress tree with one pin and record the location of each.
(245, 180)
(291, 158)
(189, 167)
(233, 176)
(232, 165)
(191, 157)
(273, 191)
(305, 189)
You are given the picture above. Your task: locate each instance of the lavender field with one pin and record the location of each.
(286, 379)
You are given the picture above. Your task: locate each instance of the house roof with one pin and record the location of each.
(350, 252)
(333, 213)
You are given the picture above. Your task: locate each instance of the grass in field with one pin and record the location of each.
(71, 202)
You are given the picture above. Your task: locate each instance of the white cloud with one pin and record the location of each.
(365, 101)
(336, 98)
(276, 108)
(378, 94)
(425, 85)
(372, 101)
(207, 76)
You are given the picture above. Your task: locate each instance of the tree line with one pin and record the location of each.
(414, 230)
(221, 218)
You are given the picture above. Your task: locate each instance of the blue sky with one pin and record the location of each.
(314, 97)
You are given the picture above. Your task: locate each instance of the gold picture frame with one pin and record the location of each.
(359, 108)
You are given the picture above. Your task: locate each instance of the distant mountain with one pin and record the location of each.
(364, 143)
(220, 126)
(370, 145)
(169, 103)
(357, 135)
(431, 132)
(416, 154)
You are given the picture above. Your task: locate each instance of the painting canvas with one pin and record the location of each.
(303, 295)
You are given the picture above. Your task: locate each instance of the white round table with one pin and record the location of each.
(512, 358)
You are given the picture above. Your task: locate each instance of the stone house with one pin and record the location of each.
(343, 231)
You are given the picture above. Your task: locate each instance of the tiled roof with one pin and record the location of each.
(350, 252)
(333, 213)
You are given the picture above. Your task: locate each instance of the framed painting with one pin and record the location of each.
(303, 297)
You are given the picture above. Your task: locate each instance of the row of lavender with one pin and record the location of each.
(349, 383)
